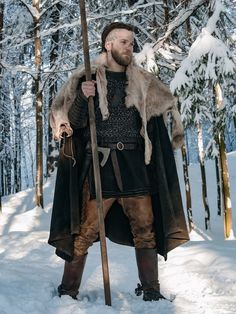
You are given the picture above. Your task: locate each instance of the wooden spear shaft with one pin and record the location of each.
(96, 169)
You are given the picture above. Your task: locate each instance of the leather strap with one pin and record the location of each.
(121, 145)
(113, 149)
(116, 169)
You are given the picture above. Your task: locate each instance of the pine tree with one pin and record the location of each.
(209, 62)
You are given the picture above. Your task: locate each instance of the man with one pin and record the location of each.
(141, 195)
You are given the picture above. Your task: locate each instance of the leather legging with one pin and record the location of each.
(139, 211)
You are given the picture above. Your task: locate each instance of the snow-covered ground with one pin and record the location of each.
(201, 273)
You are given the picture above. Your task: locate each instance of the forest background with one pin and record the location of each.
(189, 45)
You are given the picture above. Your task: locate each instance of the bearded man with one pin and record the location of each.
(141, 195)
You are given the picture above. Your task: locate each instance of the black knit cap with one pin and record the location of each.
(111, 27)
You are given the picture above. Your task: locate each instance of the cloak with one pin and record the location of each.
(154, 101)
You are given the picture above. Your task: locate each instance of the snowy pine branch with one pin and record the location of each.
(218, 58)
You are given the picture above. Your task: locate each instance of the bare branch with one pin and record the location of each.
(52, 5)
(32, 10)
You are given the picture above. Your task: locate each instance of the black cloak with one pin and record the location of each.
(69, 197)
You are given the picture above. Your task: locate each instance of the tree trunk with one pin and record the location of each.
(218, 185)
(52, 147)
(188, 25)
(1, 185)
(217, 163)
(8, 172)
(39, 110)
(203, 176)
(17, 145)
(187, 189)
(166, 12)
(228, 224)
(185, 149)
(1, 38)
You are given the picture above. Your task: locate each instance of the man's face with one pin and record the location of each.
(121, 46)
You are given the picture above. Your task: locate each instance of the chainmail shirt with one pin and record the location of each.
(124, 123)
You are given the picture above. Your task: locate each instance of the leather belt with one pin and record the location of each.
(113, 147)
(120, 145)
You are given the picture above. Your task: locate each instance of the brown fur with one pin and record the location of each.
(144, 91)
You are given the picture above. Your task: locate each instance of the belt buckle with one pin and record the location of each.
(120, 146)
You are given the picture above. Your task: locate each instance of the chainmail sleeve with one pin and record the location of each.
(78, 113)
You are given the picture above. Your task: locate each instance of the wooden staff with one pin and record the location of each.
(96, 169)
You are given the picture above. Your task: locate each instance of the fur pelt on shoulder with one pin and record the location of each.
(144, 91)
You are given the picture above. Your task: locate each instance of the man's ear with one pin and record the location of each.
(108, 45)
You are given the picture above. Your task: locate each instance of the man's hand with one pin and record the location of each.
(88, 88)
(65, 129)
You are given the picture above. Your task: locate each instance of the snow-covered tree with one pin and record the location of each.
(209, 64)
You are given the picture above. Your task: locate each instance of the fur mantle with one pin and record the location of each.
(144, 91)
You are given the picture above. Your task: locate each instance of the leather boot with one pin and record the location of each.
(148, 274)
(72, 276)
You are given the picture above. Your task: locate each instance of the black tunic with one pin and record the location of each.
(123, 125)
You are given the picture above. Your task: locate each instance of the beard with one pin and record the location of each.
(121, 59)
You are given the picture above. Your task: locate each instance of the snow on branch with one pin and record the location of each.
(32, 10)
(183, 15)
(130, 11)
(217, 57)
(42, 34)
(17, 68)
(143, 4)
(52, 5)
(146, 56)
(212, 22)
(35, 13)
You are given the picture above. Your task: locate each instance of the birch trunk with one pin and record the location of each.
(39, 109)
(228, 224)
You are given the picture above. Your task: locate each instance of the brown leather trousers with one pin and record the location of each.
(139, 211)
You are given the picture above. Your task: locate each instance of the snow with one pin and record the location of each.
(147, 54)
(219, 58)
(201, 273)
(205, 45)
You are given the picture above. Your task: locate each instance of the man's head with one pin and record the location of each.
(118, 40)
(111, 27)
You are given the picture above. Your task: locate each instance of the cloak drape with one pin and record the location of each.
(70, 197)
